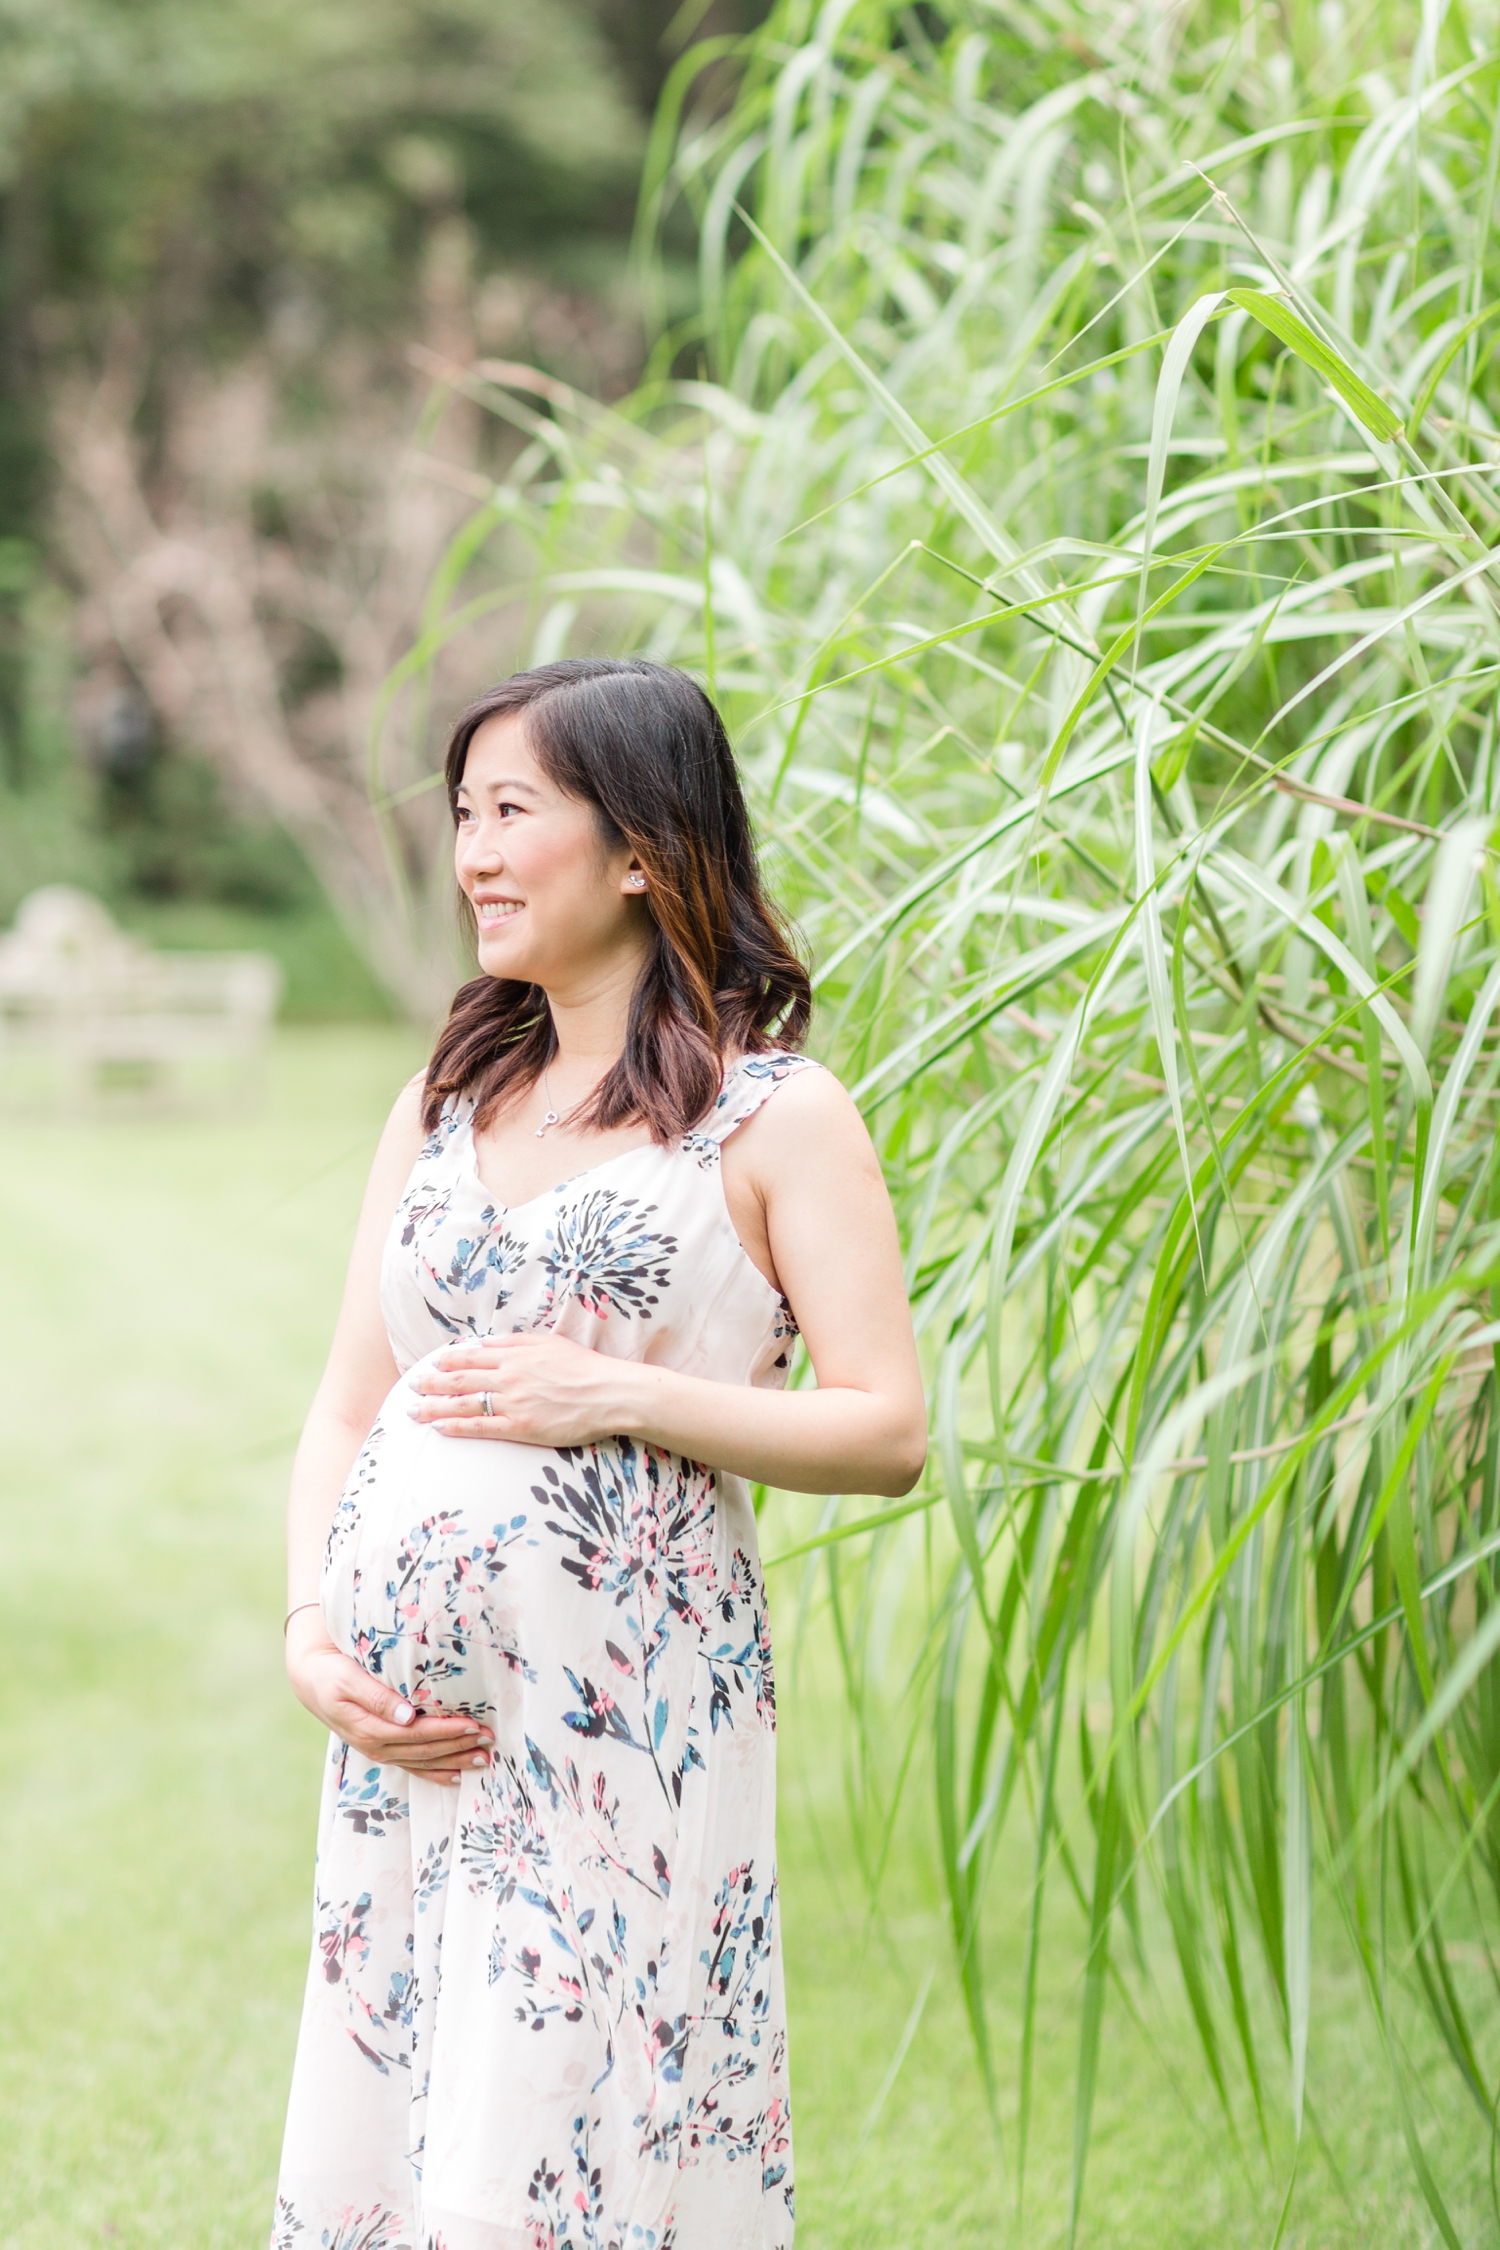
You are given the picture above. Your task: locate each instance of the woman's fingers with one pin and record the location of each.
(445, 1381)
(486, 1351)
(476, 1426)
(448, 1751)
(465, 1367)
(452, 1396)
(464, 1417)
(449, 1772)
(385, 1723)
(385, 1727)
(467, 1373)
(426, 1738)
(447, 1754)
(466, 1399)
(435, 1761)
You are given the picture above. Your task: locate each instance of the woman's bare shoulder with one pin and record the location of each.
(403, 1132)
(815, 1092)
(810, 1117)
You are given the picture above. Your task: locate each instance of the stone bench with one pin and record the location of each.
(92, 1010)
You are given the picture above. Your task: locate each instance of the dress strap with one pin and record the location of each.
(456, 1112)
(747, 1084)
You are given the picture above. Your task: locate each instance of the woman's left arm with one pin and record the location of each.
(806, 1158)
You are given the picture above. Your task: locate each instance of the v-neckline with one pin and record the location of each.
(604, 1165)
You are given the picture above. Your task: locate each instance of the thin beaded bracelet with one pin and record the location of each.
(315, 1603)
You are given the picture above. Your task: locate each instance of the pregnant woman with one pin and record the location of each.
(544, 2010)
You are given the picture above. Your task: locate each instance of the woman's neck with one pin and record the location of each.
(590, 1018)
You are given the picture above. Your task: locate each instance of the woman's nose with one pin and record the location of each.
(479, 849)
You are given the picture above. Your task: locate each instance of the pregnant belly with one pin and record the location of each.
(458, 1568)
(432, 1554)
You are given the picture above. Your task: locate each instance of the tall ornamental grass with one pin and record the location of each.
(1085, 510)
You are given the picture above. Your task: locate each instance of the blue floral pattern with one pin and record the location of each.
(544, 2010)
(601, 1253)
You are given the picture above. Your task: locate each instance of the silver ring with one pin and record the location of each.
(487, 1401)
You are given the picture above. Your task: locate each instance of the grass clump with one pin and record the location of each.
(1086, 514)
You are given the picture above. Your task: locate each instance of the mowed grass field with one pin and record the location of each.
(166, 1291)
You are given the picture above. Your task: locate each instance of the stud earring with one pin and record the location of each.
(638, 882)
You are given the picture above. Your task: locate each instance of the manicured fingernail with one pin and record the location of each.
(479, 1761)
(404, 1714)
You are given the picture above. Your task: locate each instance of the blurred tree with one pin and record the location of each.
(222, 229)
(218, 168)
(237, 243)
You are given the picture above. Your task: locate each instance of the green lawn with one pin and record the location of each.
(166, 1288)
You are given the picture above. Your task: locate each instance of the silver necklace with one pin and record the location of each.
(551, 1117)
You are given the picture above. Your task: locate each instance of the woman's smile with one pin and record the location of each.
(491, 912)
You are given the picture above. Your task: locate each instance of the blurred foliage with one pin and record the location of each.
(178, 838)
(198, 186)
(217, 172)
(142, 819)
(220, 178)
(154, 831)
(224, 173)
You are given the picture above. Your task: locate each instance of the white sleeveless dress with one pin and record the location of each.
(544, 2010)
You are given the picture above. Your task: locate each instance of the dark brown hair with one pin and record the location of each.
(645, 747)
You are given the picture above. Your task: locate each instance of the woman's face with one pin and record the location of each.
(555, 906)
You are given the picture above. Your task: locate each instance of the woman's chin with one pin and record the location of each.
(501, 957)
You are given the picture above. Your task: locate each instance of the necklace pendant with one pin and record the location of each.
(549, 1119)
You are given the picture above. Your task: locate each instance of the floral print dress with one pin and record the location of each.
(544, 2009)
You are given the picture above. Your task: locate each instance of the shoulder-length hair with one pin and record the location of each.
(645, 747)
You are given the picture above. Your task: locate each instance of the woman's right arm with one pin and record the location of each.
(349, 1701)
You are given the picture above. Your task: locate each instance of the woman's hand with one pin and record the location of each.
(542, 1389)
(372, 1718)
(806, 1161)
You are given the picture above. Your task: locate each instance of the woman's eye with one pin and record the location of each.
(503, 809)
